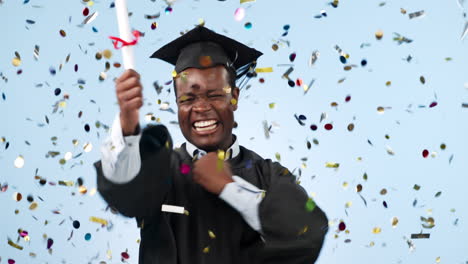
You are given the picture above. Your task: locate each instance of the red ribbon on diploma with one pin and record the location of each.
(117, 40)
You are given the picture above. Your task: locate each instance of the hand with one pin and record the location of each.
(212, 173)
(130, 97)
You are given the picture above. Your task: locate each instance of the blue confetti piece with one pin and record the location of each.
(95, 30)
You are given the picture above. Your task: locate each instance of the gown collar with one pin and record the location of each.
(231, 152)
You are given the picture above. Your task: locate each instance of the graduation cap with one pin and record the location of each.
(203, 48)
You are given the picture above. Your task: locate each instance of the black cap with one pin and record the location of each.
(202, 48)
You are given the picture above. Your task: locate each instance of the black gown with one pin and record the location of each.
(212, 232)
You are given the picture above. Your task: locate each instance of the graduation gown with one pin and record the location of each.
(290, 233)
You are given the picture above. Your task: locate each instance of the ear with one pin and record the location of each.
(235, 95)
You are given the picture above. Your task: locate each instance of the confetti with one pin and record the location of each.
(184, 168)
(19, 162)
(376, 230)
(239, 14)
(379, 34)
(13, 244)
(98, 220)
(420, 235)
(416, 14)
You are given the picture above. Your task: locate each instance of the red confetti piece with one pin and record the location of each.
(348, 98)
(328, 126)
(125, 255)
(184, 168)
(342, 226)
(425, 153)
(313, 127)
(433, 104)
(261, 80)
(154, 25)
(85, 11)
(11, 261)
(299, 82)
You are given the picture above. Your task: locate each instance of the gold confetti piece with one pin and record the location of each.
(383, 191)
(358, 188)
(233, 101)
(19, 162)
(263, 70)
(186, 212)
(379, 34)
(278, 156)
(17, 196)
(206, 250)
(98, 220)
(88, 147)
(246, 1)
(348, 204)
(376, 230)
(350, 127)
(201, 22)
(345, 185)
(33, 206)
(107, 53)
(211, 234)
(438, 260)
(92, 192)
(380, 110)
(68, 156)
(388, 83)
(394, 222)
(271, 105)
(174, 74)
(227, 89)
(16, 61)
(13, 244)
(63, 33)
(303, 230)
(221, 155)
(332, 165)
(66, 183)
(403, 11)
(82, 189)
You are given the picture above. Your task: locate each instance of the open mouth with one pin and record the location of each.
(205, 126)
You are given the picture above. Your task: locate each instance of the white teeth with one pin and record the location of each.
(204, 123)
(206, 128)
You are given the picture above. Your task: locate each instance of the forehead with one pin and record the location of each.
(209, 77)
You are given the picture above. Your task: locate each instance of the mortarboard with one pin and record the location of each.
(203, 48)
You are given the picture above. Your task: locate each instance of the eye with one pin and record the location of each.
(215, 95)
(184, 99)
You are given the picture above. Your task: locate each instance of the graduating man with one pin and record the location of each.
(233, 205)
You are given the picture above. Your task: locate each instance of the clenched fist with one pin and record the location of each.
(130, 97)
(211, 173)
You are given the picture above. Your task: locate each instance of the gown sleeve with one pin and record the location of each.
(292, 233)
(143, 196)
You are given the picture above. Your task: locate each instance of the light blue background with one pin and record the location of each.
(410, 123)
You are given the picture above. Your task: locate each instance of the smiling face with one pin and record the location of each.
(206, 105)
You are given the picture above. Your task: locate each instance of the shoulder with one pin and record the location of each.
(269, 168)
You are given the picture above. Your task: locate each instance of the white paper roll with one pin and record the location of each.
(125, 33)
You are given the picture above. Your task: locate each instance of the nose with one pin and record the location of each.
(201, 104)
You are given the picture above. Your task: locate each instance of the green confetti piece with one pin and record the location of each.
(310, 205)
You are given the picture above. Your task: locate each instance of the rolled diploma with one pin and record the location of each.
(125, 33)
